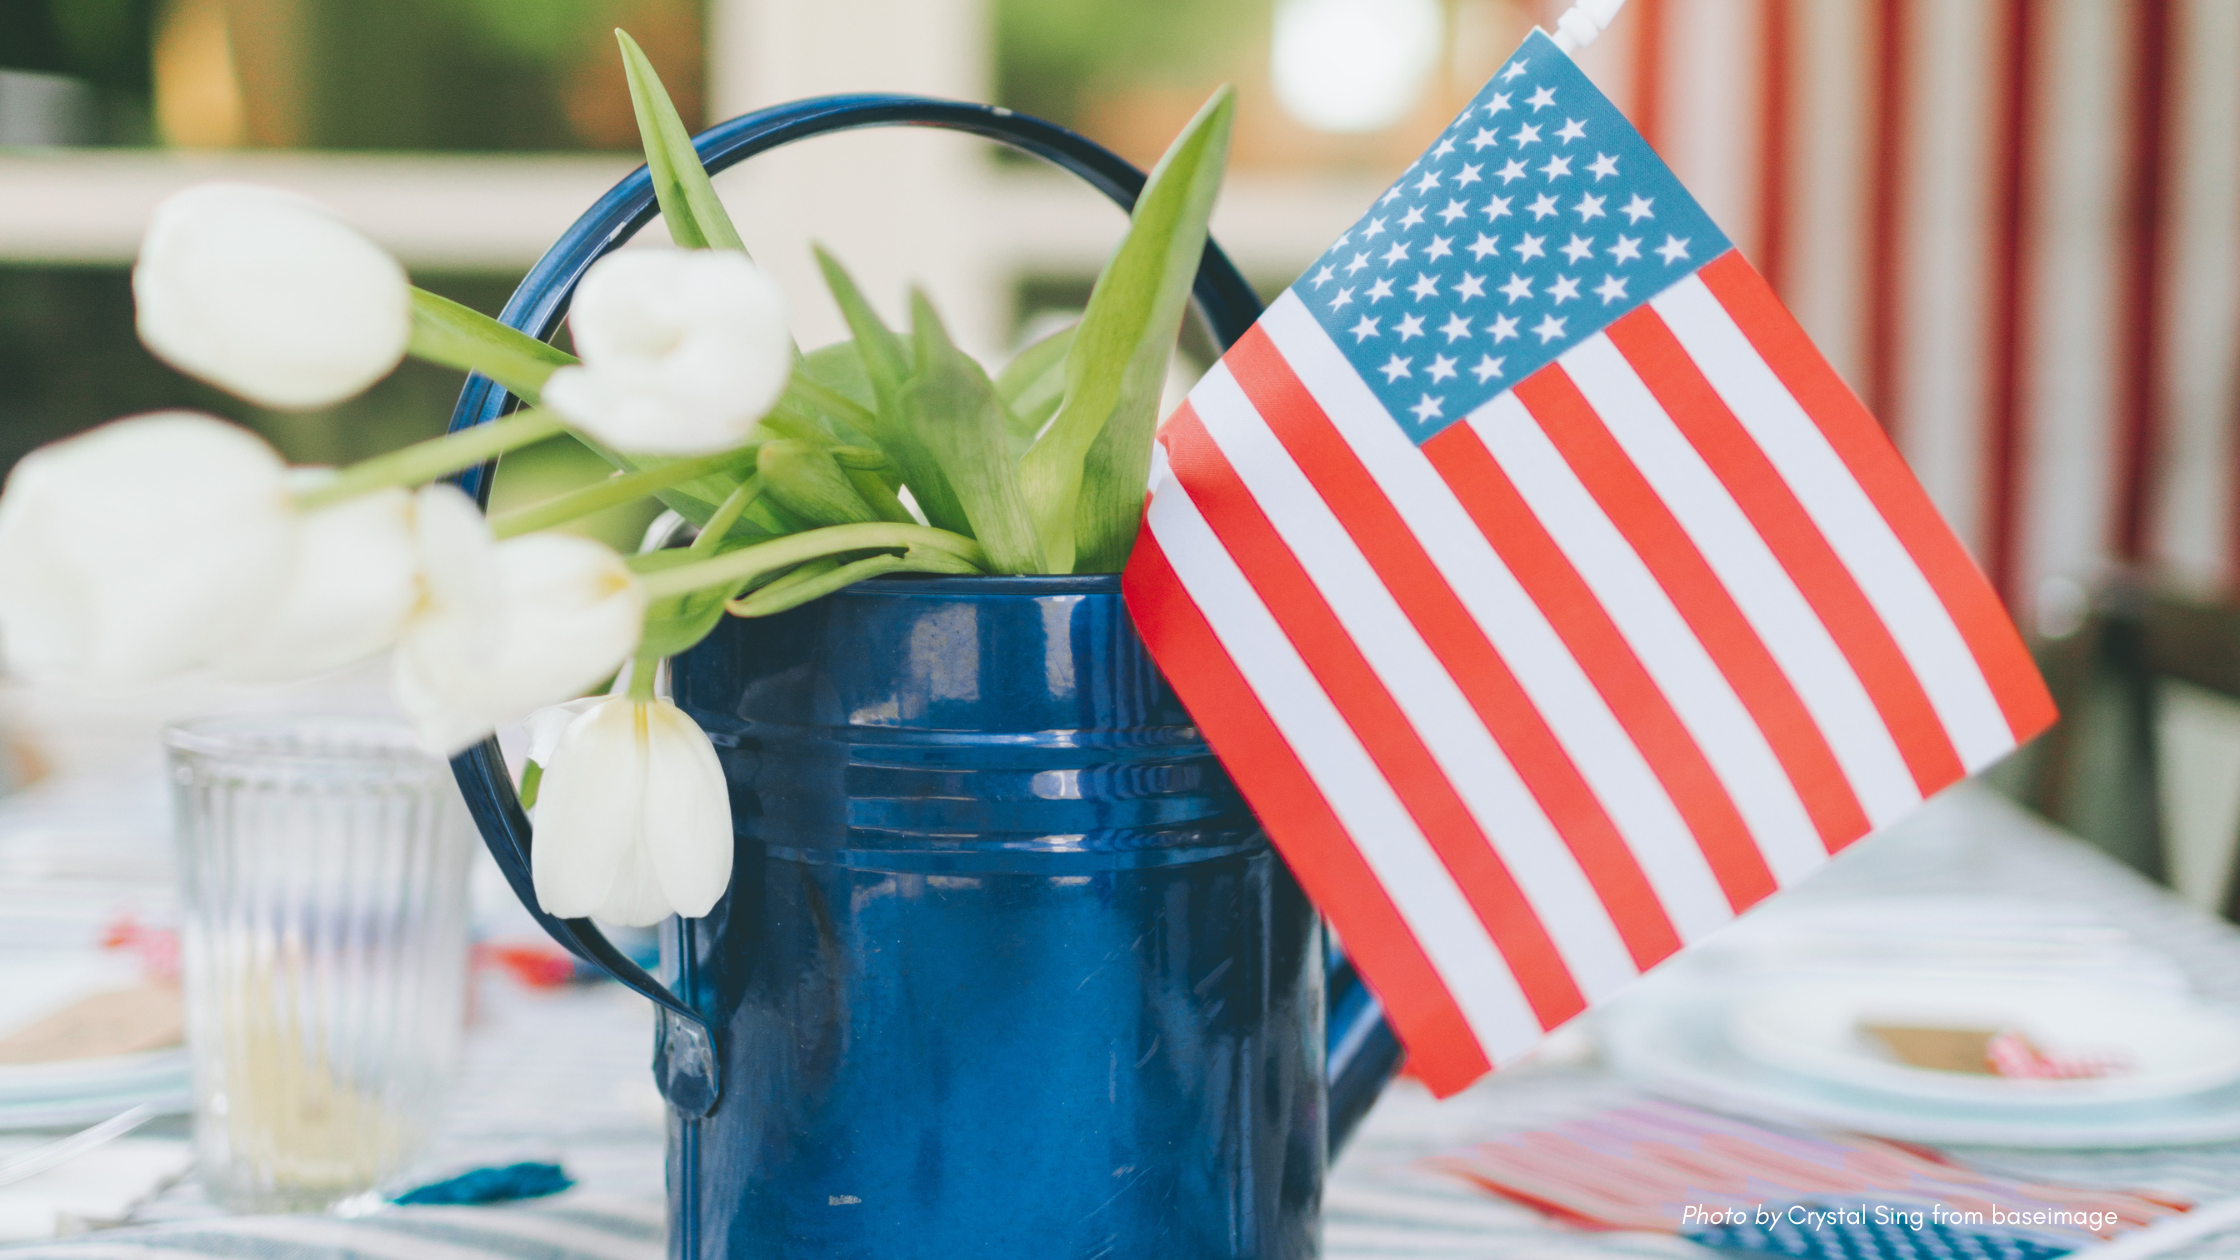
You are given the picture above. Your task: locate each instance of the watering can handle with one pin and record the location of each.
(1362, 1051)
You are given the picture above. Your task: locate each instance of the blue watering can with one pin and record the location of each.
(1007, 967)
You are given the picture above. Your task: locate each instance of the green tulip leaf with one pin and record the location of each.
(1084, 477)
(808, 483)
(839, 368)
(696, 218)
(957, 414)
(445, 332)
(1033, 385)
(880, 352)
(886, 361)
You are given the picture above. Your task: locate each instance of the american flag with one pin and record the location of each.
(1544, 590)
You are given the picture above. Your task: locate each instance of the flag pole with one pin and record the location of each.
(1583, 21)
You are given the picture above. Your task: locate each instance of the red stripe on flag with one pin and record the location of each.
(1775, 513)
(1454, 636)
(1882, 473)
(1579, 619)
(1441, 1048)
(1374, 716)
(1632, 505)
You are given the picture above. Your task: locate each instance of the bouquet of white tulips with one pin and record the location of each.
(170, 544)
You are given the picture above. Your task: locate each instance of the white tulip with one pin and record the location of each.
(683, 350)
(544, 729)
(353, 578)
(633, 820)
(269, 295)
(506, 628)
(141, 550)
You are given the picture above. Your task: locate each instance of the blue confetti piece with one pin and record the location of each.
(491, 1185)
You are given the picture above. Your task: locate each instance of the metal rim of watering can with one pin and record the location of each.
(537, 306)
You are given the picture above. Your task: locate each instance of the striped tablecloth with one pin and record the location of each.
(592, 1107)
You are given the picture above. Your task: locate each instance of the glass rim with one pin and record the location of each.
(385, 742)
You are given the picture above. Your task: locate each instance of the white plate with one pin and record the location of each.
(78, 1091)
(116, 1074)
(1674, 1042)
(70, 1113)
(2172, 1044)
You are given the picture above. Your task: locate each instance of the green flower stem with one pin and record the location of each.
(642, 670)
(461, 337)
(615, 491)
(867, 458)
(735, 567)
(437, 457)
(876, 493)
(793, 579)
(817, 580)
(727, 514)
(811, 581)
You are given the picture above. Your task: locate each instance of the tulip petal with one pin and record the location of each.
(683, 350)
(351, 582)
(634, 899)
(566, 614)
(573, 613)
(687, 811)
(269, 295)
(458, 560)
(588, 810)
(140, 550)
(548, 725)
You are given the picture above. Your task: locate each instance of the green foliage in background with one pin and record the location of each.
(105, 42)
(399, 74)
(435, 74)
(537, 30)
(1049, 51)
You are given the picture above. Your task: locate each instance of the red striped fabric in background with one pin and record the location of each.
(2013, 226)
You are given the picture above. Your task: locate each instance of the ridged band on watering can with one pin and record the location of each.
(1362, 1052)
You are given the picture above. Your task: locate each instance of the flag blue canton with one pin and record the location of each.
(1538, 217)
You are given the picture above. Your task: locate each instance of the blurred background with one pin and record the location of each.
(2014, 225)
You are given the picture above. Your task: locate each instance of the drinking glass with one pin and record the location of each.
(323, 866)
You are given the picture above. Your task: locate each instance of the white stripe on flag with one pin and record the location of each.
(1559, 688)
(1438, 916)
(1908, 606)
(1753, 577)
(1691, 681)
(1473, 764)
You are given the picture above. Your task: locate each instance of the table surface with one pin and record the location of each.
(591, 1105)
